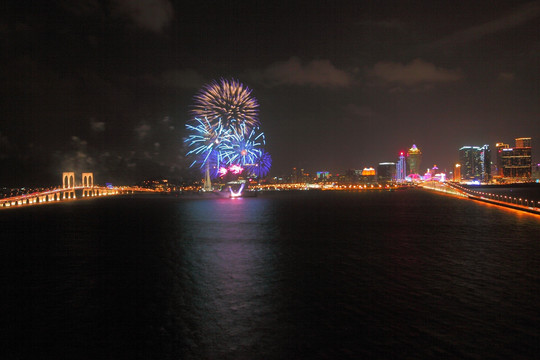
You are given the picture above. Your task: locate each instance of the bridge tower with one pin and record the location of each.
(68, 185)
(88, 184)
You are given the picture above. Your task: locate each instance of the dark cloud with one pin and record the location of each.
(81, 7)
(97, 126)
(184, 78)
(362, 111)
(524, 13)
(5, 146)
(319, 73)
(76, 158)
(152, 15)
(142, 130)
(506, 76)
(394, 24)
(414, 73)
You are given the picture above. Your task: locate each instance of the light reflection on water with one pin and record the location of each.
(295, 275)
(317, 275)
(229, 250)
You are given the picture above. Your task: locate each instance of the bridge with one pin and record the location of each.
(70, 191)
(456, 189)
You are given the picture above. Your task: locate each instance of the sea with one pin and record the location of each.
(408, 274)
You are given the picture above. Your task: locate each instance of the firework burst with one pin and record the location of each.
(206, 142)
(224, 136)
(243, 149)
(261, 166)
(229, 101)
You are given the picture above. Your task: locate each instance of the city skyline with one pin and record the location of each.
(107, 86)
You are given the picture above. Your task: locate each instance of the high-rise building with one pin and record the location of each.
(498, 163)
(386, 172)
(485, 163)
(414, 159)
(516, 163)
(457, 173)
(475, 163)
(523, 142)
(401, 168)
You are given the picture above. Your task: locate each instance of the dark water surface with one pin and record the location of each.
(293, 275)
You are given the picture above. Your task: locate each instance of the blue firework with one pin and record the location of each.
(244, 146)
(206, 142)
(261, 166)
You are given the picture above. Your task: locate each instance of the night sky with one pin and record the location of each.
(106, 86)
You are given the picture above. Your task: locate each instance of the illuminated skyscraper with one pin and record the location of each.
(485, 163)
(516, 163)
(523, 142)
(475, 163)
(414, 159)
(401, 168)
(498, 163)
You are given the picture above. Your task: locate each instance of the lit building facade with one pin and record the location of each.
(475, 163)
(457, 173)
(516, 163)
(523, 142)
(401, 168)
(498, 162)
(386, 172)
(368, 176)
(414, 159)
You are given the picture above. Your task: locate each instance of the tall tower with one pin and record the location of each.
(485, 163)
(401, 168)
(414, 159)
